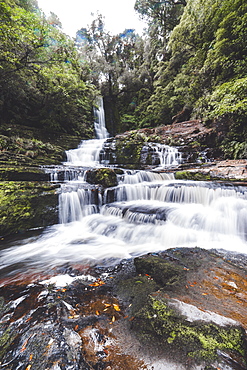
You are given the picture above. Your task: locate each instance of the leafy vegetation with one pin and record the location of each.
(42, 82)
(191, 63)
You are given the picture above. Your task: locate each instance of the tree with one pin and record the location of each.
(41, 79)
(206, 50)
(114, 61)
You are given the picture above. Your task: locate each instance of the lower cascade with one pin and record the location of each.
(147, 211)
(77, 292)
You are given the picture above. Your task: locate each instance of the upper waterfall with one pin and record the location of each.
(90, 153)
(99, 124)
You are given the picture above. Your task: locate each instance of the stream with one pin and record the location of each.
(146, 212)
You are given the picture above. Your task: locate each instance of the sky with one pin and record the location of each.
(75, 14)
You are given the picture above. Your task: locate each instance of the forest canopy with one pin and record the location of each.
(42, 81)
(191, 59)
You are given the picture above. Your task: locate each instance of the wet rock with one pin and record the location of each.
(26, 205)
(161, 271)
(103, 176)
(197, 340)
(228, 170)
(193, 138)
(171, 310)
(191, 320)
(20, 173)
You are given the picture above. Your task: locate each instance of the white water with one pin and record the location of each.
(168, 156)
(146, 212)
(89, 151)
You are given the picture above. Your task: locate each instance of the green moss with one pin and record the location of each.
(197, 340)
(6, 339)
(22, 173)
(102, 176)
(162, 272)
(135, 291)
(24, 205)
(195, 176)
(128, 148)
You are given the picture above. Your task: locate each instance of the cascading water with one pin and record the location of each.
(89, 151)
(146, 212)
(168, 156)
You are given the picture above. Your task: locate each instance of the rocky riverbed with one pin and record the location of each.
(184, 308)
(180, 309)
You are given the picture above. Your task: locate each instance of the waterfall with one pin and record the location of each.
(168, 156)
(148, 211)
(99, 124)
(90, 152)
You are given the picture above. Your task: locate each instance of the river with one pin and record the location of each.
(69, 296)
(148, 211)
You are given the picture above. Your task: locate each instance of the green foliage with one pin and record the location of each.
(42, 81)
(119, 59)
(205, 67)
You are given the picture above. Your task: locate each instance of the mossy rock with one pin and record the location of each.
(164, 273)
(128, 149)
(194, 176)
(26, 205)
(102, 176)
(23, 173)
(198, 341)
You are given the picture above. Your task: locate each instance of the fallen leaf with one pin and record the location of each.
(204, 293)
(76, 327)
(99, 282)
(97, 313)
(116, 307)
(30, 357)
(28, 367)
(113, 319)
(23, 348)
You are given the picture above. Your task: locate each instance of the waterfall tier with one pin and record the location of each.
(148, 211)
